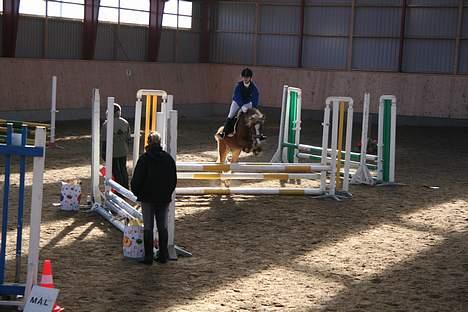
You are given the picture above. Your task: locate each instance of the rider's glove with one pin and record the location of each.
(245, 108)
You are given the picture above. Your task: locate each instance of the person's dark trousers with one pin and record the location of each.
(150, 211)
(119, 170)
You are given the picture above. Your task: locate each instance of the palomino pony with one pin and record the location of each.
(247, 137)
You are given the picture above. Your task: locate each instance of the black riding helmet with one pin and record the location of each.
(247, 72)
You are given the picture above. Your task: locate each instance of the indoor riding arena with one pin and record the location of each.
(345, 181)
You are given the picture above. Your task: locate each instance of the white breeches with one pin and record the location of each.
(235, 108)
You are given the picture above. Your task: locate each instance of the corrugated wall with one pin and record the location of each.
(29, 40)
(278, 43)
(375, 45)
(105, 41)
(131, 43)
(233, 40)
(268, 33)
(114, 42)
(64, 39)
(336, 36)
(325, 40)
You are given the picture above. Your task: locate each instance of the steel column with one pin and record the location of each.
(90, 22)
(349, 62)
(458, 38)
(402, 36)
(155, 26)
(205, 35)
(10, 27)
(301, 35)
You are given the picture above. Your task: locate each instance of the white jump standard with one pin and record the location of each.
(110, 206)
(290, 150)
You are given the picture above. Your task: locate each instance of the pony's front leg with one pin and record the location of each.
(222, 151)
(235, 155)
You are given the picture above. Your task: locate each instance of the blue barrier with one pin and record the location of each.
(22, 151)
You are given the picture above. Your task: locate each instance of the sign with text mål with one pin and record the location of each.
(41, 299)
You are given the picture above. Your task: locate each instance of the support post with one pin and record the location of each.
(36, 213)
(95, 138)
(53, 110)
(109, 140)
(278, 156)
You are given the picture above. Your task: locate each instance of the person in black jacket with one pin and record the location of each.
(154, 180)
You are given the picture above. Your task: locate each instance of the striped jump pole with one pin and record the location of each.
(245, 167)
(307, 149)
(247, 191)
(244, 176)
(353, 164)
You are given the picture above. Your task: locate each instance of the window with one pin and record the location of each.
(177, 14)
(125, 11)
(33, 7)
(67, 9)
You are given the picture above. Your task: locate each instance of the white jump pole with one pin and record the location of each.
(95, 125)
(349, 132)
(244, 167)
(171, 139)
(53, 110)
(277, 157)
(109, 140)
(362, 174)
(334, 144)
(392, 140)
(36, 213)
(325, 134)
(247, 191)
(136, 133)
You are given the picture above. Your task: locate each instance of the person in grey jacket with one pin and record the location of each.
(120, 148)
(154, 180)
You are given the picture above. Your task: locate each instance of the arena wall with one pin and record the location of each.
(205, 89)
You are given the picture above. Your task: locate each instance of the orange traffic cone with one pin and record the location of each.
(47, 281)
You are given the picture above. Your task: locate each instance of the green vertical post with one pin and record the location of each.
(292, 125)
(386, 139)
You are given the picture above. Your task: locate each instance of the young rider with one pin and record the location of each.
(245, 96)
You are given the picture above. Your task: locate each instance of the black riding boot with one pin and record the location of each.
(228, 127)
(148, 244)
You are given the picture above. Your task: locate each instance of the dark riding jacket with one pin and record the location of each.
(244, 95)
(155, 176)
